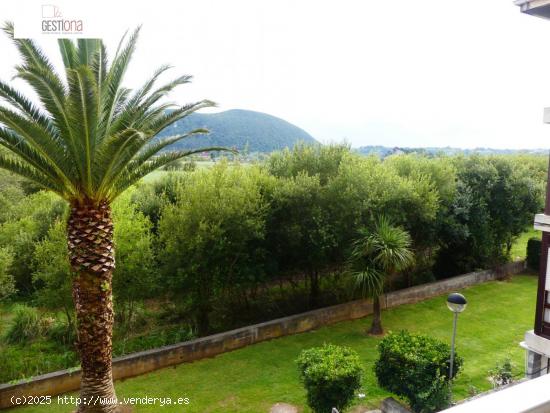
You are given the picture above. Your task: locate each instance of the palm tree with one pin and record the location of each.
(88, 139)
(377, 255)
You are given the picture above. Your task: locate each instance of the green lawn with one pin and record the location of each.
(252, 379)
(519, 249)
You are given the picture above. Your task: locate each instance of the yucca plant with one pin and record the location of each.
(87, 139)
(377, 254)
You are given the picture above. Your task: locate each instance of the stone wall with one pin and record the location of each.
(146, 361)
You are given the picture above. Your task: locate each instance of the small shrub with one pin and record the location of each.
(533, 253)
(502, 374)
(26, 326)
(331, 375)
(473, 390)
(62, 333)
(417, 368)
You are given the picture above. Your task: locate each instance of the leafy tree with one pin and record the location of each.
(437, 178)
(7, 283)
(304, 232)
(11, 195)
(150, 197)
(53, 276)
(378, 254)
(365, 189)
(300, 232)
(211, 238)
(88, 140)
(323, 161)
(515, 197)
(495, 201)
(134, 277)
(28, 224)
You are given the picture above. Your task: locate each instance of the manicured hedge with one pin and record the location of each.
(417, 368)
(331, 375)
(533, 253)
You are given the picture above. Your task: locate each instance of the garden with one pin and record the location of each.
(201, 250)
(252, 379)
(212, 249)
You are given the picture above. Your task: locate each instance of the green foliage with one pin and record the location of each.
(27, 325)
(534, 246)
(25, 229)
(90, 138)
(365, 188)
(211, 237)
(7, 282)
(19, 362)
(502, 373)
(331, 375)
(416, 367)
(311, 160)
(62, 333)
(496, 199)
(301, 236)
(134, 277)
(379, 253)
(11, 194)
(53, 277)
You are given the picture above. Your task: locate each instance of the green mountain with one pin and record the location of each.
(235, 128)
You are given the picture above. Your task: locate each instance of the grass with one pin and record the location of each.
(250, 380)
(519, 249)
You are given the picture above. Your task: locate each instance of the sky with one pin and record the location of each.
(460, 73)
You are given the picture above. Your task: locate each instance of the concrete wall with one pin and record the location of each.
(145, 361)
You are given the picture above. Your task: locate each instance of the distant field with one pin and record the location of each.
(159, 174)
(200, 164)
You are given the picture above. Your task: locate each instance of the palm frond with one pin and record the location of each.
(23, 169)
(82, 104)
(68, 52)
(378, 253)
(86, 49)
(113, 80)
(370, 281)
(130, 176)
(88, 138)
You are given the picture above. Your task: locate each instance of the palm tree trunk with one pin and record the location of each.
(90, 242)
(376, 327)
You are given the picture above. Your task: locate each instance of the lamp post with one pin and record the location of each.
(457, 304)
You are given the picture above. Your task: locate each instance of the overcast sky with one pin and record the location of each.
(462, 73)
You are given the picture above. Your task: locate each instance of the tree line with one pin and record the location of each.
(226, 245)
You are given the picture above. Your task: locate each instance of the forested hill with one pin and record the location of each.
(237, 128)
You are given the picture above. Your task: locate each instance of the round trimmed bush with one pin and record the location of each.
(331, 375)
(416, 367)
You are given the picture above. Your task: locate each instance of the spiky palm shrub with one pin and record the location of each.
(378, 253)
(88, 139)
